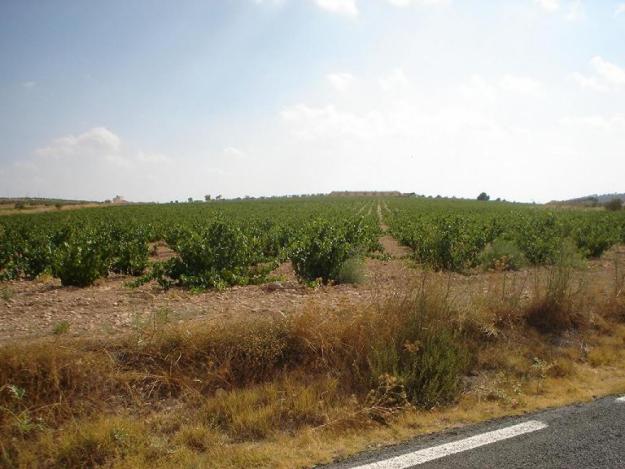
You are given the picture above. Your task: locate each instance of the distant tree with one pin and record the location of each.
(190, 200)
(20, 205)
(218, 197)
(207, 198)
(614, 205)
(58, 205)
(107, 201)
(483, 196)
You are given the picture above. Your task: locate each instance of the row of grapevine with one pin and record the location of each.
(453, 235)
(217, 244)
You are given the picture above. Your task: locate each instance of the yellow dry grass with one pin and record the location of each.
(296, 391)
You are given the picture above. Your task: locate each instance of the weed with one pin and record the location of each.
(7, 293)
(60, 328)
(501, 255)
(352, 271)
(553, 307)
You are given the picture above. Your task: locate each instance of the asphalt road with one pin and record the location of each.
(581, 436)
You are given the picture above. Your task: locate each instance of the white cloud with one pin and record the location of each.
(576, 11)
(234, 152)
(606, 76)
(480, 88)
(614, 123)
(340, 81)
(588, 82)
(341, 7)
(408, 3)
(96, 141)
(521, 85)
(620, 9)
(394, 81)
(548, 5)
(610, 72)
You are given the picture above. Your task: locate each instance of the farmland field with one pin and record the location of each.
(236, 329)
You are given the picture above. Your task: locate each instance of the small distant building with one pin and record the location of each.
(119, 200)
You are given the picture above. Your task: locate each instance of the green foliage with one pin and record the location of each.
(216, 256)
(425, 350)
(323, 247)
(81, 259)
(129, 251)
(60, 328)
(352, 271)
(614, 205)
(483, 196)
(502, 254)
(453, 235)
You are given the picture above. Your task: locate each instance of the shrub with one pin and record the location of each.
(323, 247)
(81, 260)
(552, 309)
(614, 205)
(421, 346)
(216, 256)
(130, 253)
(352, 271)
(502, 254)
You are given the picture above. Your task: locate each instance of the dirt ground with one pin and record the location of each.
(33, 309)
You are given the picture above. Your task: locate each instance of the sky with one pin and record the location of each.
(159, 100)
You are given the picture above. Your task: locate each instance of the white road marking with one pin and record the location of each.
(620, 399)
(437, 452)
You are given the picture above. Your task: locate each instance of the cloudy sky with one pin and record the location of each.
(161, 100)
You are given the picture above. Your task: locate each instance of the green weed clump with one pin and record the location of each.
(501, 255)
(352, 271)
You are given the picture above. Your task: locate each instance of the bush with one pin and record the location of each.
(502, 254)
(552, 309)
(129, 251)
(81, 260)
(614, 205)
(352, 271)
(421, 346)
(323, 248)
(216, 256)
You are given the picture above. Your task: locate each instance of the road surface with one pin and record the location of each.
(585, 436)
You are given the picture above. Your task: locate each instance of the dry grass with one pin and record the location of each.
(309, 388)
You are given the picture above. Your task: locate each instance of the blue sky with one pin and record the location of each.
(524, 99)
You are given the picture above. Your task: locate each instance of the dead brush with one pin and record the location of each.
(558, 299)
(614, 307)
(499, 309)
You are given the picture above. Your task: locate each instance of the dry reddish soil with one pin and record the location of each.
(32, 309)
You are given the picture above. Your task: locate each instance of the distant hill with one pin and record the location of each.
(43, 201)
(590, 200)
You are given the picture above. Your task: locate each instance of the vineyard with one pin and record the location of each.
(460, 236)
(240, 242)
(217, 245)
(231, 333)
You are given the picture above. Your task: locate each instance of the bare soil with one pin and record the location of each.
(32, 309)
